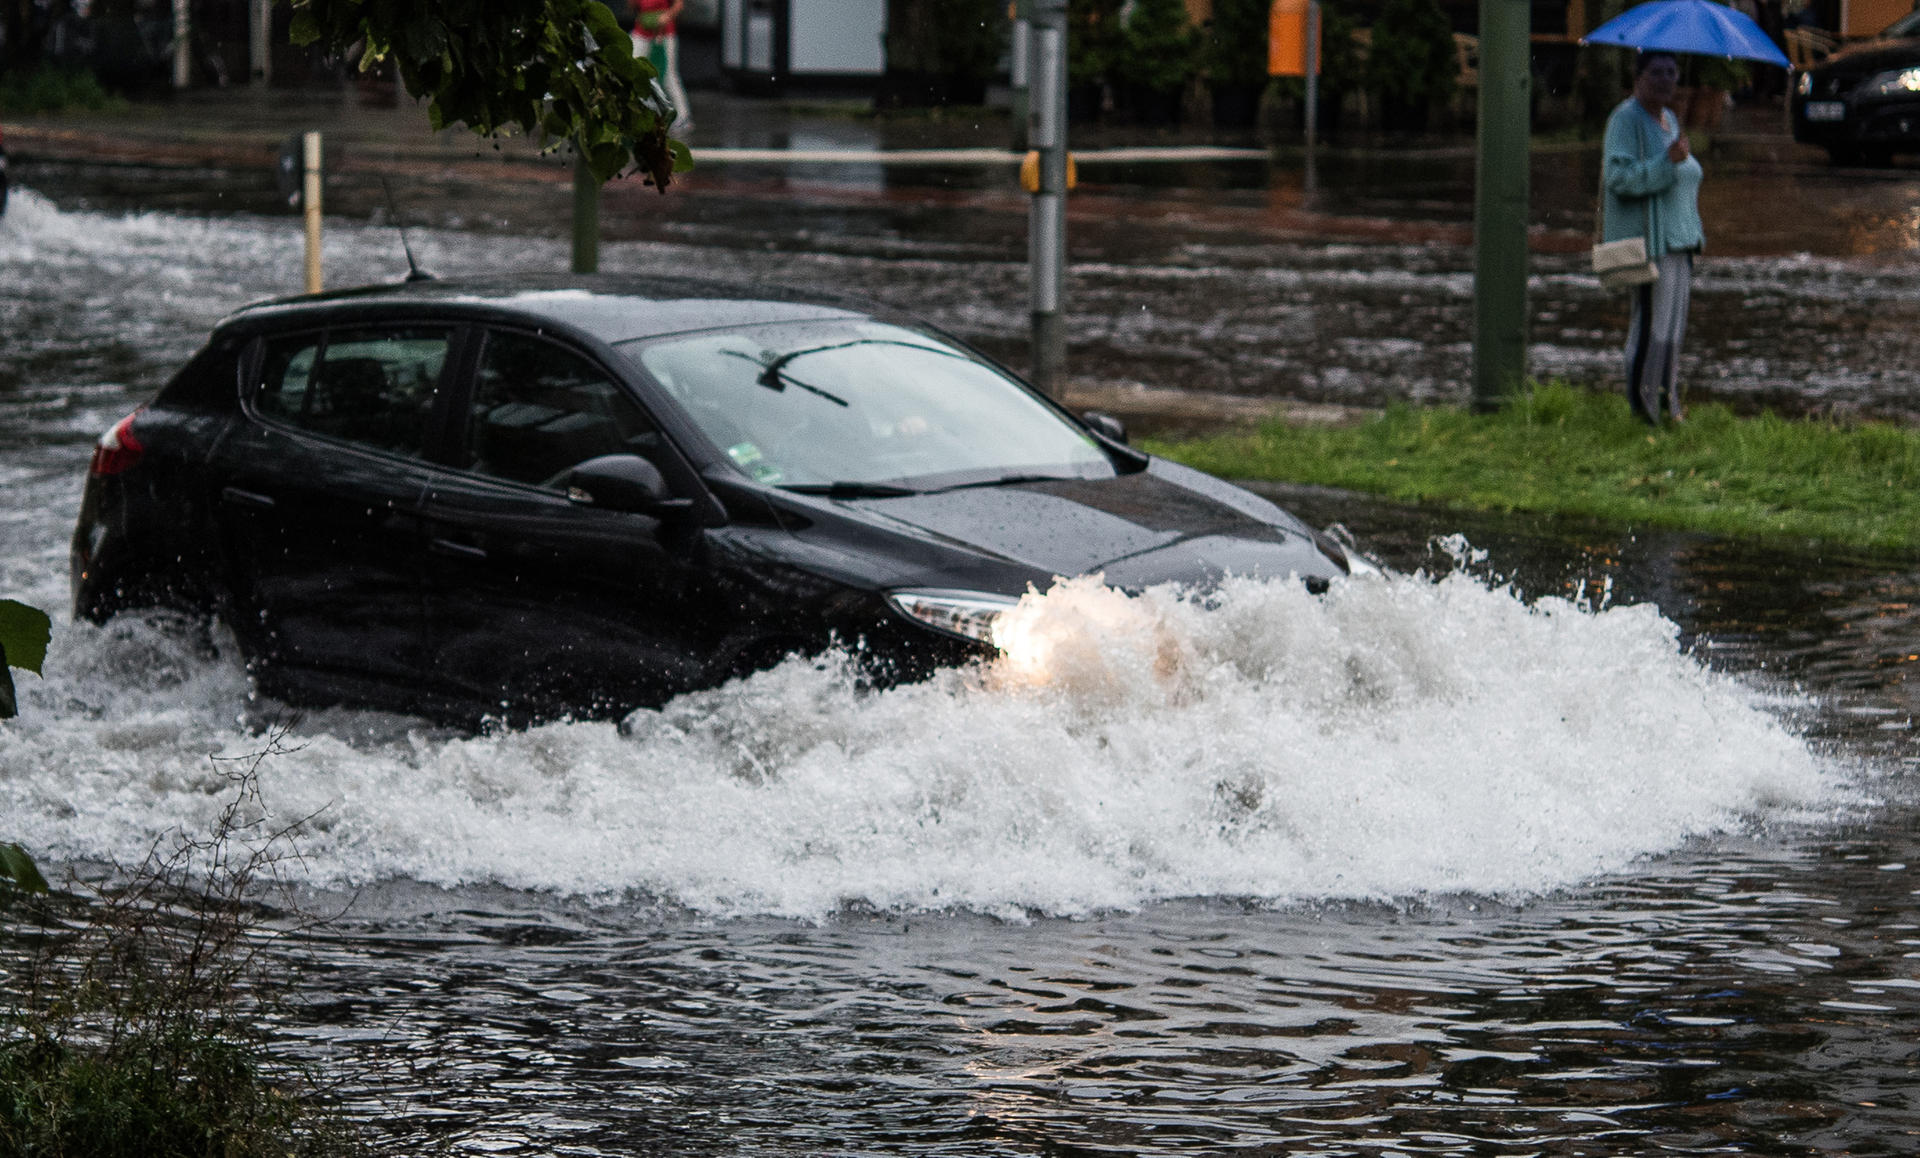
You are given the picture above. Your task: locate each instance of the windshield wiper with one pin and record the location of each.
(776, 369)
(1004, 480)
(851, 490)
(775, 377)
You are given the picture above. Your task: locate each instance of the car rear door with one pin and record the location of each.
(317, 496)
(538, 600)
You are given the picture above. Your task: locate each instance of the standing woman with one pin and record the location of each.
(656, 36)
(1650, 188)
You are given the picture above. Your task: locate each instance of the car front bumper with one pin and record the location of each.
(1881, 124)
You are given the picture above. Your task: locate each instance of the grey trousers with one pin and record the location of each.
(1654, 335)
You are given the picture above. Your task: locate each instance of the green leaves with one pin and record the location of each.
(561, 68)
(18, 870)
(24, 632)
(1158, 46)
(1413, 58)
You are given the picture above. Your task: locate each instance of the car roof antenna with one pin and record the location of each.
(414, 272)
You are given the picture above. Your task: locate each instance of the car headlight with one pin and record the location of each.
(1805, 87)
(1336, 543)
(1896, 82)
(968, 614)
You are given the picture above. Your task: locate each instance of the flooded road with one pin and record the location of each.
(1561, 841)
(1226, 277)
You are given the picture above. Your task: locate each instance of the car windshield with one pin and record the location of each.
(851, 404)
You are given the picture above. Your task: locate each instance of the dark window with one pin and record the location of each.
(540, 410)
(373, 387)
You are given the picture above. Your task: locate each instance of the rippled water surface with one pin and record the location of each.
(1557, 841)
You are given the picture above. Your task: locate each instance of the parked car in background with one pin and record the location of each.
(529, 497)
(1862, 104)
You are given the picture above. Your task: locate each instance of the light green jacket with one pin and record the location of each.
(1642, 194)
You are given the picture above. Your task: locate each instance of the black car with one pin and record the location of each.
(526, 498)
(1863, 103)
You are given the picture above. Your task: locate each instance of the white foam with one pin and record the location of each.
(1391, 738)
(1388, 739)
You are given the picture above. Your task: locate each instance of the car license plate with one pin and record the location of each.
(1826, 111)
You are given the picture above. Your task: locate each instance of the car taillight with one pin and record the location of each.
(117, 449)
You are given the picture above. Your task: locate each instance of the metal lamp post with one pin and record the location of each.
(1047, 223)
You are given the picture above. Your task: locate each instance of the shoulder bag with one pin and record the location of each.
(1624, 264)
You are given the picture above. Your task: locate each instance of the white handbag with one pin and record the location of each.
(1623, 264)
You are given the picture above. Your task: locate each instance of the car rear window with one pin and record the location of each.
(371, 386)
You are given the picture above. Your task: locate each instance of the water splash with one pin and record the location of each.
(1390, 738)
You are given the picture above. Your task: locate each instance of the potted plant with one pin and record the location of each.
(1713, 78)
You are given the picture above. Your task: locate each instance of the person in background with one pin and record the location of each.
(1650, 188)
(656, 38)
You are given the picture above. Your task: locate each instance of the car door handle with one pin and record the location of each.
(240, 498)
(452, 550)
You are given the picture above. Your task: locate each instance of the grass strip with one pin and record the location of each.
(1557, 449)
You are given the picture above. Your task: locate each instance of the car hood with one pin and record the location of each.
(1165, 524)
(1870, 57)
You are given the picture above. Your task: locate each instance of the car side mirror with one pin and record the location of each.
(623, 482)
(1106, 426)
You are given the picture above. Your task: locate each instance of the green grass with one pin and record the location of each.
(1560, 450)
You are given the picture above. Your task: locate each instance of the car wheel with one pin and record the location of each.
(1843, 155)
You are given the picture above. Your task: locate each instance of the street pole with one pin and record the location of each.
(1501, 203)
(310, 202)
(182, 43)
(1021, 73)
(260, 47)
(1313, 92)
(1047, 223)
(1313, 75)
(586, 215)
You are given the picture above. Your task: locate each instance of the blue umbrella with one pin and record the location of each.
(1701, 27)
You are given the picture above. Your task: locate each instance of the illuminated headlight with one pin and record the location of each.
(968, 614)
(1805, 86)
(1898, 82)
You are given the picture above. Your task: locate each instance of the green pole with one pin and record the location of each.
(586, 215)
(1501, 203)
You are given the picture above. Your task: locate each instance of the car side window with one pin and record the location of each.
(540, 410)
(370, 386)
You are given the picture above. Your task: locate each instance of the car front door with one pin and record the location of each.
(537, 600)
(317, 496)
